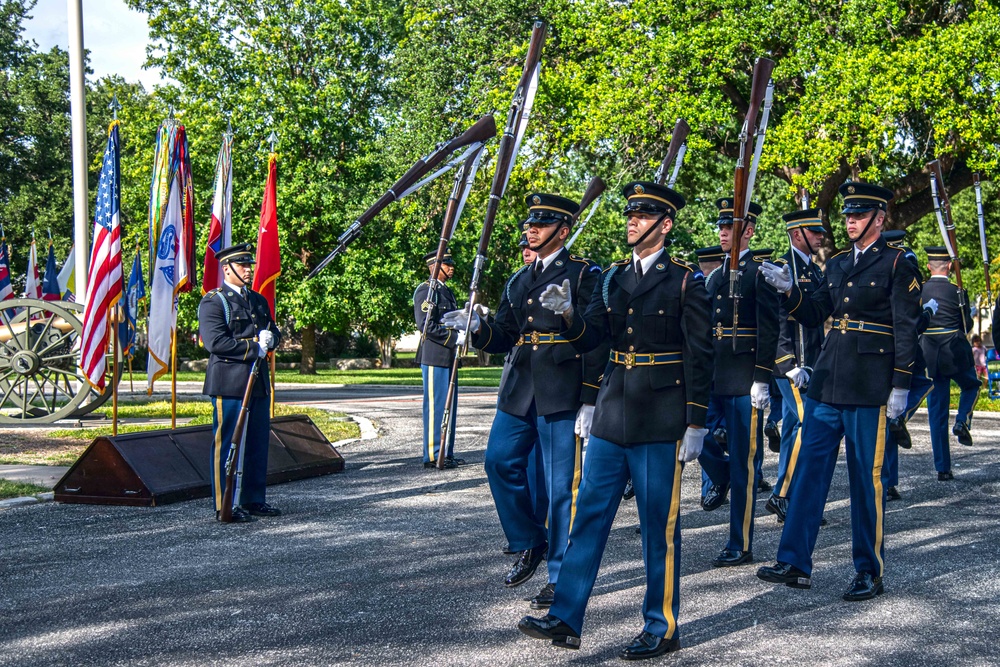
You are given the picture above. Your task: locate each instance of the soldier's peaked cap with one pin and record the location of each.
(523, 243)
(937, 253)
(894, 235)
(546, 209)
(241, 253)
(807, 218)
(710, 254)
(445, 259)
(862, 197)
(725, 206)
(646, 197)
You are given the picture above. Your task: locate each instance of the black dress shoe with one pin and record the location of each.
(897, 426)
(777, 506)
(262, 509)
(240, 515)
(525, 565)
(961, 430)
(715, 498)
(550, 627)
(457, 461)
(763, 486)
(629, 493)
(783, 573)
(449, 464)
(507, 551)
(648, 645)
(732, 558)
(945, 476)
(892, 493)
(544, 598)
(864, 587)
(773, 436)
(721, 436)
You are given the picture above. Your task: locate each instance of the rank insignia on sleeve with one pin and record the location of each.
(914, 285)
(426, 306)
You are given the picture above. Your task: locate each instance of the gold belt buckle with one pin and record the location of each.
(535, 338)
(718, 331)
(629, 359)
(842, 325)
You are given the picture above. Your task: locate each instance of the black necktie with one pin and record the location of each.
(245, 294)
(537, 268)
(638, 271)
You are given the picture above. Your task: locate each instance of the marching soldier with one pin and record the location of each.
(740, 383)
(798, 347)
(435, 356)
(649, 418)
(236, 326)
(712, 497)
(777, 407)
(862, 377)
(949, 357)
(548, 395)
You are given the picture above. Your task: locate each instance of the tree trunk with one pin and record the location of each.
(385, 346)
(307, 363)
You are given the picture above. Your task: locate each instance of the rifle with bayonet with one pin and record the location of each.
(982, 238)
(473, 138)
(746, 174)
(234, 461)
(595, 189)
(942, 210)
(517, 120)
(675, 149)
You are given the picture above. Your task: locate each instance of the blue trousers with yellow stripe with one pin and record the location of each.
(920, 387)
(436, 381)
(938, 411)
(863, 428)
(656, 477)
(744, 432)
(793, 410)
(225, 414)
(507, 453)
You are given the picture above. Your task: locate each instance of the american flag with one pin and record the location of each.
(6, 290)
(104, 277)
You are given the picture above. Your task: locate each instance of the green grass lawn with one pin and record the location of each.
(470, 377)
(10, 489)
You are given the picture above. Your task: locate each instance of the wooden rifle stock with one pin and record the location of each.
(505, 157)
(677, 139)
(229, 498)
(482, 130)
(950, 239)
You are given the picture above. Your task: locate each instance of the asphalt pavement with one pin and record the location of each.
(391, 564)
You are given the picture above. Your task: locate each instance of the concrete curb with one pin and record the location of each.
(368, 430)
(22, 501)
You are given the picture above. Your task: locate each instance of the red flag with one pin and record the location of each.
(220, 229)
(268, 250)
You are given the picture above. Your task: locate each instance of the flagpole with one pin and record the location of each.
(114, 316)
(173, 378)
(78, 121)
(272, 355)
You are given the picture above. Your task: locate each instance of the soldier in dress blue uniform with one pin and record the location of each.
(548, 395)
(740, 385)
(862, 377)
(649, 421)
(236, 327)
(949, 357)
(772, 432)
(798, 347)
(709, 261)
(435, 356)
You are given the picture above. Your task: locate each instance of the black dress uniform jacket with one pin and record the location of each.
(858, 365)
(438, 348)
(667, 311)
(753, 360)
(946, 353)
(228, 325)
(790, 347)
(554, 375)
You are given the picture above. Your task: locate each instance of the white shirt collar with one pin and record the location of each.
(859, 252)
(804, 257)
(237, 288)
(648, 262)
(941, 277)
(547, 261)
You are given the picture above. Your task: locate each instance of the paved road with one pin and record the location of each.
(389, 564)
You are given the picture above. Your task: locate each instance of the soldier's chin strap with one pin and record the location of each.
(544, 243)
(653, 227)
(805, 238)
(867, 227)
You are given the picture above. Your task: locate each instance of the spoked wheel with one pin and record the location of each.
(39, 376)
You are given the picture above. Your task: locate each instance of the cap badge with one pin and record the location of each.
(850, 189)
(536, 200)
(639, 189)
(725, 202)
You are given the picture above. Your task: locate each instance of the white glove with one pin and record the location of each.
(694, 439)
(460, 340)
(265, 338)
(760, 397)
(778, 277)
(457, 319)
(798, 376)
(897, 403)
(557, 298)
(584, 418)
(261, 350)
(931, 305)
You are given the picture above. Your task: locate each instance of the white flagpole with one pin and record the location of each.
(78, 111)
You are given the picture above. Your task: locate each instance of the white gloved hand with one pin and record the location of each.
(897, 402)
(760, 397)
(557, 298)
(460, 340)
(584, 418)
(261, 350)
(778, 277)
(694, 440)
(931, 305)
(265, 338)
(457, 319)
(798, 376)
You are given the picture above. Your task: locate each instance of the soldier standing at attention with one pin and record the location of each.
(649, 419)
(435, 356)
(548, 395)
(236, 326)
(949, 357)
(798, 348)
(862, 377)
(740, 384)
